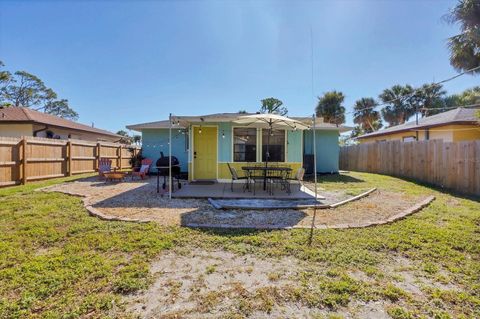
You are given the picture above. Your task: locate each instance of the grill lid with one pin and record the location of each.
(164, 160)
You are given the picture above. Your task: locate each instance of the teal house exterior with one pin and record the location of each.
(206, 145)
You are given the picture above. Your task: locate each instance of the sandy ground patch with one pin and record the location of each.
(219, 284)
(139, 200)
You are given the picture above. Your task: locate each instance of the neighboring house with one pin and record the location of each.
(23, 121)
(224, 141)
(460, 124)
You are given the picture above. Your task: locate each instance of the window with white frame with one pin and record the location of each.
(244, 144)
(276, 145)
(409, 138)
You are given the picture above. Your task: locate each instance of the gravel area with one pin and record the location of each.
(138, 200)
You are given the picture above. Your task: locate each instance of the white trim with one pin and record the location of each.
(259, 145)
(232, 145)
(285, 149)
(192, 150)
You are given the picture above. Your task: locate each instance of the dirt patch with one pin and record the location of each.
(407, 275)
(218, 284)
(207, 282)
(139, 200)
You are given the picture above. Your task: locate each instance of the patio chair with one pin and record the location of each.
(278, 178)
(104, 166)
(235, 177)
(144, 169)
(298, 178)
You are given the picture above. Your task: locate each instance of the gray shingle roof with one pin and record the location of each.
(226, 117)
(456, 116)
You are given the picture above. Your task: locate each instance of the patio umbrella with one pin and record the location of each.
(270, 121)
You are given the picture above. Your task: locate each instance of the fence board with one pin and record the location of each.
(451, 165)
(30, 158)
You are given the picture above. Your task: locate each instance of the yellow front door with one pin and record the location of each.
(205, 153)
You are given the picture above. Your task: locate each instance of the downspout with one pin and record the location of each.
(40, 130)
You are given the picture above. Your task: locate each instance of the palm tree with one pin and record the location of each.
(357, 131)
(468, 97)
(430, 99)
(125, 139)
(137, 139)
(400, 104)
(365, 115)
(330, 107)
(465, 47)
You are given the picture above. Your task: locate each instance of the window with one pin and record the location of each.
(244, 144)
(276, 145)
(409, 138)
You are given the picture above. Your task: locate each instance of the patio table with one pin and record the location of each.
(265, 170)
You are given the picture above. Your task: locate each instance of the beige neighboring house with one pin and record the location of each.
(23, 121)
(460, 124)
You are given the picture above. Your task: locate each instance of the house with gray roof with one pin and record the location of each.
(460, 124)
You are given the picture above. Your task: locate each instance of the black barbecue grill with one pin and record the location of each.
(162, 166)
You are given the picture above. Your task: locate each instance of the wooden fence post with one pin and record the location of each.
(97, 155)
(69, 150)
(120, 157)
(24, 161)
(134, 155)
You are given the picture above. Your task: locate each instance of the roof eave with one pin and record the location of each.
(414, 128)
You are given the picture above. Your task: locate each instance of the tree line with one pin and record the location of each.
(399, 103)
(23, 89)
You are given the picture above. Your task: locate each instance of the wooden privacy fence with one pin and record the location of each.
(451, 165)
(30, 158)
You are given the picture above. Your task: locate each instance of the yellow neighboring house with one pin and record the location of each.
(460, 124)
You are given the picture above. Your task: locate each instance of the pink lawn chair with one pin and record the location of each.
(144, 169)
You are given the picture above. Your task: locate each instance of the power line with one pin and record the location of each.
(416, 91)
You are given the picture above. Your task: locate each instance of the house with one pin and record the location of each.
(23, 121)
(460, 124)
(220, 140)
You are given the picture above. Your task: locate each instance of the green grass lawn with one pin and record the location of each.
(57, 261)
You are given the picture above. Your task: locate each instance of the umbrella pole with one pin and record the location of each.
(170, 158)
(315, 178)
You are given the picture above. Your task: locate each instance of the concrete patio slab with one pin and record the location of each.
(223, 190)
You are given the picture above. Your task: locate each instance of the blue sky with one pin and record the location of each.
(126, 62)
